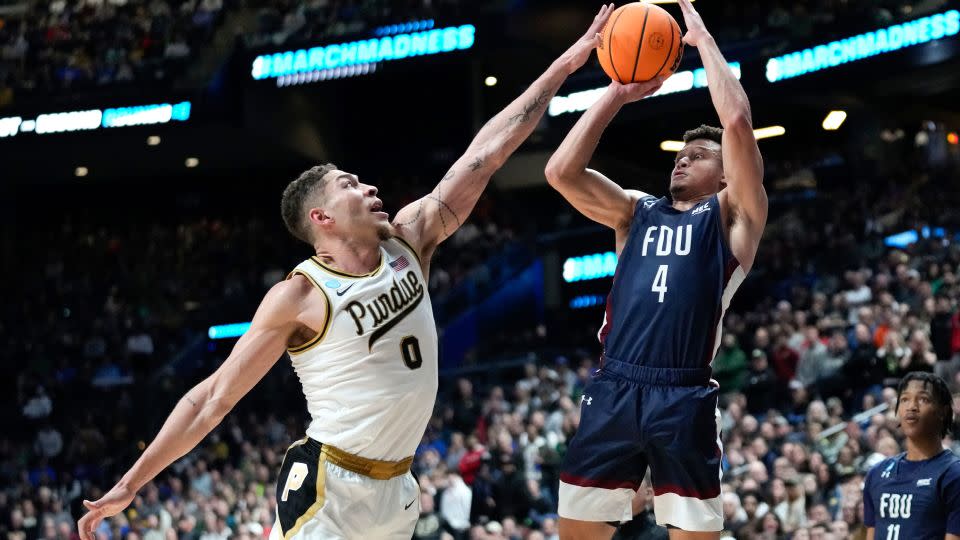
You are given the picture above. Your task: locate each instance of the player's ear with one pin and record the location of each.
(319, 217)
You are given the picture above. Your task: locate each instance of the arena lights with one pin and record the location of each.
(92, 119)
(882, 41)
(681, 81)
(368, 51)
(191, 162)
(759, 133)
(587, 267)
(834, 120)
(226, 331)
(588, 300)
(953, 138)
(905, 238)
(672, 146)
(153, 140)
(325, 74)
(414, 26)
(490, 81)
(767, 132)
(81, 172)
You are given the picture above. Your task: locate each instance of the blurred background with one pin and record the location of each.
(144, 145)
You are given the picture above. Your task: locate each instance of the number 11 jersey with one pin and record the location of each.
(370, 376)
(913, 500)
(674, 281)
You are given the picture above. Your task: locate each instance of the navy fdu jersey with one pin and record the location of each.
(913, 500)
(674, 281)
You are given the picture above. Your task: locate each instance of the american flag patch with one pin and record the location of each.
(399, 263)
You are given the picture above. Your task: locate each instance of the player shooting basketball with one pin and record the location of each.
(358, 326)
(680, 261)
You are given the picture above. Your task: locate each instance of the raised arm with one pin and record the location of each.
(590, 192)
(205, 405)
(744, 196)
(432, 219)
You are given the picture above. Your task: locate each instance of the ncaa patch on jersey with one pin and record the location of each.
(333, 284)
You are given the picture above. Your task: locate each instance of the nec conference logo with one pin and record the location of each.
(368, 51)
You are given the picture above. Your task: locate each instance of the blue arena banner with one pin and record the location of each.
(587, 267)
(362, 52)
(226, 331)
(93, 119)
(882, 41)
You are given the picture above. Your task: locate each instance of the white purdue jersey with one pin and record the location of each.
(370, 376)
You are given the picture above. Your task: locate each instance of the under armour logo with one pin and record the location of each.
(649, 202)
(586, 399)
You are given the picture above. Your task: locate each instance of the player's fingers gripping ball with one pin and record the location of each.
(640, 41)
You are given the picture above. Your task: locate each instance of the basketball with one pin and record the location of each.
(641, 41)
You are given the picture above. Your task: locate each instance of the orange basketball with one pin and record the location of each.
(641, 41)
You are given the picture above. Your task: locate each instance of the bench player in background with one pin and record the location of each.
(916, 495)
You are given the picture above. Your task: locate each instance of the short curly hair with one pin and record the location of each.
(710, 133)
(296, 196)
(941, 395)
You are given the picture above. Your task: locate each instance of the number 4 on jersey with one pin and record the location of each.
(660, 282)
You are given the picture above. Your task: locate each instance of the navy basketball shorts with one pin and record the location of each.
(632, 417)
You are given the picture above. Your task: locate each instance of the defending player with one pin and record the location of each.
(916, 495)
(359, 328)
(681, 260)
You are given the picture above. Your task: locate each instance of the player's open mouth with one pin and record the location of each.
(377, 208)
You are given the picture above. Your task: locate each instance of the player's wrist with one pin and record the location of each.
(566, 63)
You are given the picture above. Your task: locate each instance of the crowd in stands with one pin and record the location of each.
(63, 47)
(806, 19)
(308, 20)
(103, 336)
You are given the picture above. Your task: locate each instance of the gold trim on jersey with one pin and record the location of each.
(326, 324)
(407, 244)
(341, 273)
(318, 504)
(372, 468)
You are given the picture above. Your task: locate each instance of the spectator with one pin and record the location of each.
(760, 388)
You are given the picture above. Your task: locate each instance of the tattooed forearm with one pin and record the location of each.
(192, 402)
(476, 164)
(529, 109)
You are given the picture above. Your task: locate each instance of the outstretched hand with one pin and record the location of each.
(696, 30)
(578, 53)
(110, 504)
(628, 93)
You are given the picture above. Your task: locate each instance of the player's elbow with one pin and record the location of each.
(557, 174)
(219, 407)
(739, 120)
